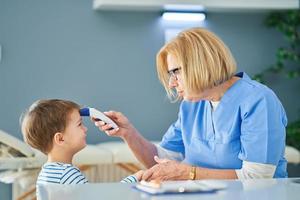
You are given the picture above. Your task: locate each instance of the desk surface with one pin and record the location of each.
(274, 189)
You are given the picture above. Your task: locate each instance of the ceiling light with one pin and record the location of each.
(183, 16)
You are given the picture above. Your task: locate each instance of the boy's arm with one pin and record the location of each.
(134, 178)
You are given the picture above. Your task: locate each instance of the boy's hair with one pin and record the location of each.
(43, 119)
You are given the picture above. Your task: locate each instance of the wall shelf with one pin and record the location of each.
(209, 5)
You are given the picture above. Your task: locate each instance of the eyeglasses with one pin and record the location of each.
(173, 73)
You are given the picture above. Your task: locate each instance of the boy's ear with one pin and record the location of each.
(58, 138)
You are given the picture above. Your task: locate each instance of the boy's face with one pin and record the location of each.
(75, 133)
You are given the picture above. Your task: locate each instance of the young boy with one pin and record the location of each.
(55, 128)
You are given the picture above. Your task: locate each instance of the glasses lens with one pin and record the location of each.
(173, 74)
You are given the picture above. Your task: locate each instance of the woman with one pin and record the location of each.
(228, 126)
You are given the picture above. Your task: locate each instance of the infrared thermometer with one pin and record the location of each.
(96, 114)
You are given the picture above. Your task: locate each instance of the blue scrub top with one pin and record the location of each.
(248, 124)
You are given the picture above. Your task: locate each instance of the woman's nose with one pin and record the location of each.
(172, 82)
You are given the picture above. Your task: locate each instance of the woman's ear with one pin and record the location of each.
(58, 138)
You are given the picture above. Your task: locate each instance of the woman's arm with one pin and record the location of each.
(205, 173)
(142, 148)
(172, 170)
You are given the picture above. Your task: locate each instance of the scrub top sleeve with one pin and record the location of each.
(172, 140)
(262, 129)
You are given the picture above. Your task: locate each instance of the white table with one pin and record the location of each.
(281, 189)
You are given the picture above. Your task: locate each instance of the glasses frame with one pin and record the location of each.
(173, 73)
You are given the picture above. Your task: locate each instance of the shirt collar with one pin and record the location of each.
(243, 75)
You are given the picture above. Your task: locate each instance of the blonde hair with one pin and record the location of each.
(204, 59)
(43, 119)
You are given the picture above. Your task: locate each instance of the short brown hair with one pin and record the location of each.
(204, 59)
(43, 119)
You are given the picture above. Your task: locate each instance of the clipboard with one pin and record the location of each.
(179, 187)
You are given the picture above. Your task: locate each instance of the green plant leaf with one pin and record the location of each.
(287, 58)
(293, 134)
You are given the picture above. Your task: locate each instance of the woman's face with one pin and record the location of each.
(175, 80)
(174, 70)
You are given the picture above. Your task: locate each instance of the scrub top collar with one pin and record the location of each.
(243, 75)
(231, 92)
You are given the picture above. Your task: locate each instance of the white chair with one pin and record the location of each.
(122, 156)
(292, 155)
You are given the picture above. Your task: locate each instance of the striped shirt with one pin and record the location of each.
(129, 179)
(60, 173)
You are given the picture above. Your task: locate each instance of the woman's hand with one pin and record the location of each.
(143, 150)
(139, 175)
(125, 127)
(166, 170)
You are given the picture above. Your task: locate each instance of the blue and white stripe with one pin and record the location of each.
(60, 173)
(129, 179)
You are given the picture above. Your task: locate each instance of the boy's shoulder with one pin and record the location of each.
(57, 165)
(60, 173)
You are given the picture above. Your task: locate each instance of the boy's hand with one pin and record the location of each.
(139, 175)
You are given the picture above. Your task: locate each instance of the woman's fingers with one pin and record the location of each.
(124, 126)
(102, 125)
(160, 160)
(113, 115)
(112, 132)
(147, 174)
(164, 170)
(99, 123)
(139, 175)
(107, 128)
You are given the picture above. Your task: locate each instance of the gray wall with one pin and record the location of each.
(64, 49)
(5, 191)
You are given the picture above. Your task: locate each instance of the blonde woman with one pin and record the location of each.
(228, 127)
